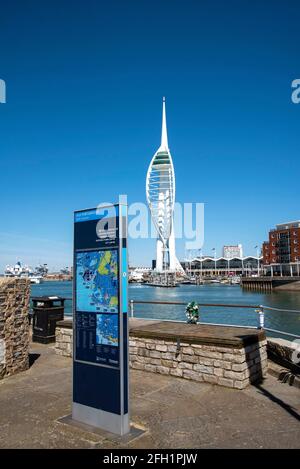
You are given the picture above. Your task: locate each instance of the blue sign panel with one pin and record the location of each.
(100, 378)
(97, 281)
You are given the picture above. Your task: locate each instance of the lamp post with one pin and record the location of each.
(215, 253)
(200, 250)
(190, 261)
(257, 253)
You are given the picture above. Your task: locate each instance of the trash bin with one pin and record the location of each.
(47, 310)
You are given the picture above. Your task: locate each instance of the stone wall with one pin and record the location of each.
(64, 338)
(284, 352)
(225, 366)
(14, 325)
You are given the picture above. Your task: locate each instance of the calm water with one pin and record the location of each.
(213, 293)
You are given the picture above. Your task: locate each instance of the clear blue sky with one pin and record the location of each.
(82, 120)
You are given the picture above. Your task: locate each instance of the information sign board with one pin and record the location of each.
(100, 344)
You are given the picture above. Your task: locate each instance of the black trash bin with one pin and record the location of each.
(47, 310)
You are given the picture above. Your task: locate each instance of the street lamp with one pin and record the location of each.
(214, 249)
(200, 251)
(190, 261)
(257, 253)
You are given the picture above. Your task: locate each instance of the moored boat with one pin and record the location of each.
(23, 271)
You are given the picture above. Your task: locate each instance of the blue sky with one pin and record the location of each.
(82, 120)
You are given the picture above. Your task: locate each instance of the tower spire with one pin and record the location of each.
(164, 135)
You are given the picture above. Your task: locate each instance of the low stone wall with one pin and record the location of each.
(234, 365)
(225, 366)
(14, 325)
(64, 338)
(284, 352)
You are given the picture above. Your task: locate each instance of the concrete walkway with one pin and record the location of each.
(175, 413)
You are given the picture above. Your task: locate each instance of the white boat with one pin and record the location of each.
(136, 276)
(235, 280)
(36, 279)
(22, 271)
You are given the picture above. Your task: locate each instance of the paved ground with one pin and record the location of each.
(176, 413)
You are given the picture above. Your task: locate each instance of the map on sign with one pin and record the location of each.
(107, 329)
(97, 281)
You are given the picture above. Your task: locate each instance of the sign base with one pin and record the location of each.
(134, 432)
(113, 423)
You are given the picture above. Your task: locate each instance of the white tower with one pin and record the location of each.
(160, 192)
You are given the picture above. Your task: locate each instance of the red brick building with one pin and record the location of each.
(283, 246)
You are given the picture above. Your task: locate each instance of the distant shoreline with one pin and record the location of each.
(47, 279)
(57, 279)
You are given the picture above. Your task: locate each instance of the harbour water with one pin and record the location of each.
(210, 293)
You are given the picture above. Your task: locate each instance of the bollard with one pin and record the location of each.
(261, 317)
(131, 308)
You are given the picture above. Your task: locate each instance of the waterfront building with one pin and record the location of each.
(160, 193)
(281, 253)
(229, 252)
(210, 266)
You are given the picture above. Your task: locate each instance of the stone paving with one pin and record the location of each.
(175, 413)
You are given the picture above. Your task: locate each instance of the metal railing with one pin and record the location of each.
(258, 309)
